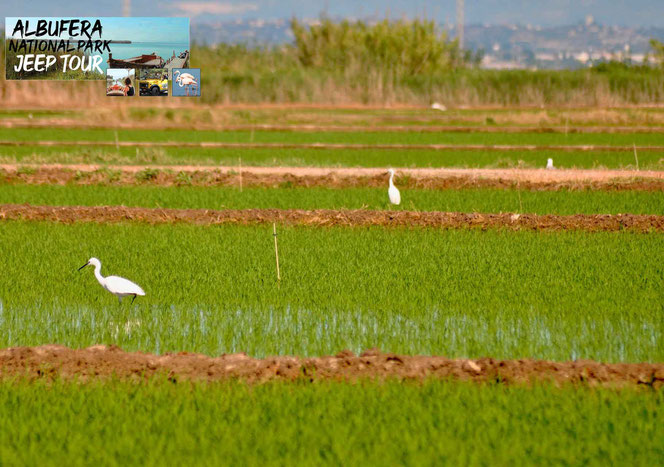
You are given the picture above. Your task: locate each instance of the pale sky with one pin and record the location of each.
(536, 12)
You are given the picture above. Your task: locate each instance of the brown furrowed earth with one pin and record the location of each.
(329, 218)
(340, 146)
(348, 128)
(101, 362)
(286, 177)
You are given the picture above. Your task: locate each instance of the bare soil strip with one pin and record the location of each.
(349, 128)
(102, 362)
(328, 218)
(128, 176)
(342, 146)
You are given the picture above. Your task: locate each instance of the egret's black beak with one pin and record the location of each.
(83, 266)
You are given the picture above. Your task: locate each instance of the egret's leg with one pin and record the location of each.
(120, 299)
(132, 300)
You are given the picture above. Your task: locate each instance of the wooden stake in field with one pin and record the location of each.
(240, 164)
(276, 249)
(636, 157)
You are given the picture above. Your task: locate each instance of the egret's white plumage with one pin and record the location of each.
(549, 164)
(118, 286)
(393, 192)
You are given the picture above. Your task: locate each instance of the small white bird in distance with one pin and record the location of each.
(438, 106)
(549, 164)
(118, 286)
(393, 192)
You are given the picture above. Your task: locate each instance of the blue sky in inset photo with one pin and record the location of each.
(154, 29)
(119, 73)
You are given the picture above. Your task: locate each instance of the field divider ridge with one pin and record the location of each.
(102, 362)
(640, 223)
(339, 146)
(348, 128)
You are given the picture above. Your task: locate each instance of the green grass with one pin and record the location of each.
(329, 157)
(470, 200)
(77, 134)
(392, 423)
(458, 293)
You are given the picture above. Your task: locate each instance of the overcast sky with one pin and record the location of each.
(535, 12)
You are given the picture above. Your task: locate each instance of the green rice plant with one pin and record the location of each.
(184, 196)
(332, 137)
(458, 293)
(330, 423)
(648, 160)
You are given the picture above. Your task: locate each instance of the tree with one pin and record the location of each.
(658, 51)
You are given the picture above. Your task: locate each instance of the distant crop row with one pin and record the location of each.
(456, 293)
(339, 137)
(470, 200)
(648, 160)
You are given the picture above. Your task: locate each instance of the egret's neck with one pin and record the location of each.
(98, 275)
(391, 178)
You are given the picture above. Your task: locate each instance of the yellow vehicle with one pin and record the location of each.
(154, 86)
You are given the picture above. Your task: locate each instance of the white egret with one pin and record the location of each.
(549, 164)
(393, 192)
(118, 286)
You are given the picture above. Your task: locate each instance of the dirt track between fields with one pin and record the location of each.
(328, 218)
(334, 177)
(101, 362)
(128, 176)
(347, 128)
(340, 146)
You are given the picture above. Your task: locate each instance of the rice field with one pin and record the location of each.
(331, 137)
(565, 295)
(329, 423)
(466, 200)
(297, 157)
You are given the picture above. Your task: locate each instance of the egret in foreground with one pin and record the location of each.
(393, 192)
(118, 286)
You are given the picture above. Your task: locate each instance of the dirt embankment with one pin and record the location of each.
(339, 177)
(340, 146)
(351, 127)
(327, 217)
(101, 362)
(250, 178)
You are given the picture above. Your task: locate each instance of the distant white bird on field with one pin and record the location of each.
(118, 286)
(549, 164)
(438, 106)
(393, 192)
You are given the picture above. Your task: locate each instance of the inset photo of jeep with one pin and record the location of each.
(153, 82)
